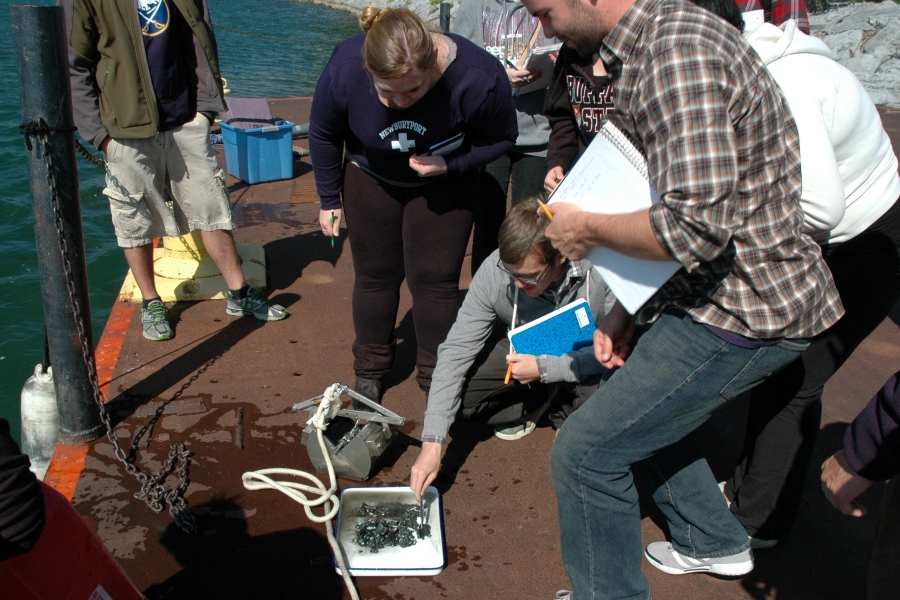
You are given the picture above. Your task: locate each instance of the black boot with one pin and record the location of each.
(370, 388)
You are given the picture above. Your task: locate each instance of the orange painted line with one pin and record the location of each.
(67, 463)
(110, 346)
(65, 469)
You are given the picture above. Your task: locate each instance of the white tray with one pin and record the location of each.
(427, 557)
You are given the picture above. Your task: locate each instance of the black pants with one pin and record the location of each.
(419, 234)
(526, 175)
(487, 398)
(786, 410)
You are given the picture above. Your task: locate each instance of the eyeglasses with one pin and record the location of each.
(525, 280)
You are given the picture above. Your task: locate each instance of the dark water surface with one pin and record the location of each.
(255, 64)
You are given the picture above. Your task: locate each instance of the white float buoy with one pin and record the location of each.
(40, 419)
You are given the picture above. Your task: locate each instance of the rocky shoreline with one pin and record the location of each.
(863, 36)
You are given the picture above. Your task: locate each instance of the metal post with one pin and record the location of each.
(445, 16)
(39, 37)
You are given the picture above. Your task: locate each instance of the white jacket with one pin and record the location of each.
(849, 169)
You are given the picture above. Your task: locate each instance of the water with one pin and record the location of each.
(254, 67)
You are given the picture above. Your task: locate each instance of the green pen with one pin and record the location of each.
(332, 228)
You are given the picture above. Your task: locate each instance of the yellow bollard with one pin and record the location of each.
(185, 271)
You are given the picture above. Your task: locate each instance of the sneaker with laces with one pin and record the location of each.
(255, 303)
(155, 321)
(665, 558)
(514, 431)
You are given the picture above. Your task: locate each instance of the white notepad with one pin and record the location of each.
(539, 59)
(611, 178)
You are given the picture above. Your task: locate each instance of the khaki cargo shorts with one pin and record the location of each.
(182, 160)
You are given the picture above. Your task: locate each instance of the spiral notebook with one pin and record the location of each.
(566, 329)
(611, 178)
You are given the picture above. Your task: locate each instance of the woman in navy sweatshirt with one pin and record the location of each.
(402, 118)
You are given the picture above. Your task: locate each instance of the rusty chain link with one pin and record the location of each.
(153, 491)
(97, 162)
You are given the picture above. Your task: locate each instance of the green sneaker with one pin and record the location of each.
(256, 304)
(155, 319)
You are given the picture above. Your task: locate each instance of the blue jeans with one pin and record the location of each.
(678, 375)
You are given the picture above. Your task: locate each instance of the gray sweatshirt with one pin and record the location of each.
(490, 298)
(503, 28)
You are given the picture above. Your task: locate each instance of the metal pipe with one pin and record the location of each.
(39, 37)
(445, 16)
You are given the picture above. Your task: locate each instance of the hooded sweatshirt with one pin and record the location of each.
(849, 169)
(503, 28)
(578, 103)
(492, 299)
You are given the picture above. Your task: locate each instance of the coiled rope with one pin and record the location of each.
(260, 480)
(36, 128)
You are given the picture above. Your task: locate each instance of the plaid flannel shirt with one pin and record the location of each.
(724, 155)
(781, 11)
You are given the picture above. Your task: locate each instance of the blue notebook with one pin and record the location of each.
(564, 330)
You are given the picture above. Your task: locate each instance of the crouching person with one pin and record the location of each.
(525, 279)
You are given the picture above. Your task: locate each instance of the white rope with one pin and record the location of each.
(260, 480)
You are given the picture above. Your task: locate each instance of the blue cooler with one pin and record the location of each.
(258, 150)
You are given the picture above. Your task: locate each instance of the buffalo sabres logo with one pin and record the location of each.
(154, 15)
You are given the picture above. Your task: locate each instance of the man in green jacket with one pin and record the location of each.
(145, 89)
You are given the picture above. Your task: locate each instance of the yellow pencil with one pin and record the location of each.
(546, 210)
(508, 369)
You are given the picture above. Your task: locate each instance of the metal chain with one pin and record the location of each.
(147, 429)
(153, 492)
(97, 162)
(37, 127)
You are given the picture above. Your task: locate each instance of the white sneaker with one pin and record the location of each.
(565, 595)
(665, 558)
(514, 431)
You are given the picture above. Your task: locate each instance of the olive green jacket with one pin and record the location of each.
(112, 92)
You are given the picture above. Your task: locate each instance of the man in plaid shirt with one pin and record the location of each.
(778, 11)
(723, 153)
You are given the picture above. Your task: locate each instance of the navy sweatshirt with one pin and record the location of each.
(472, 97)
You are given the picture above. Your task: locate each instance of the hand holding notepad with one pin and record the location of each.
(536, 59)
(611, 177)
